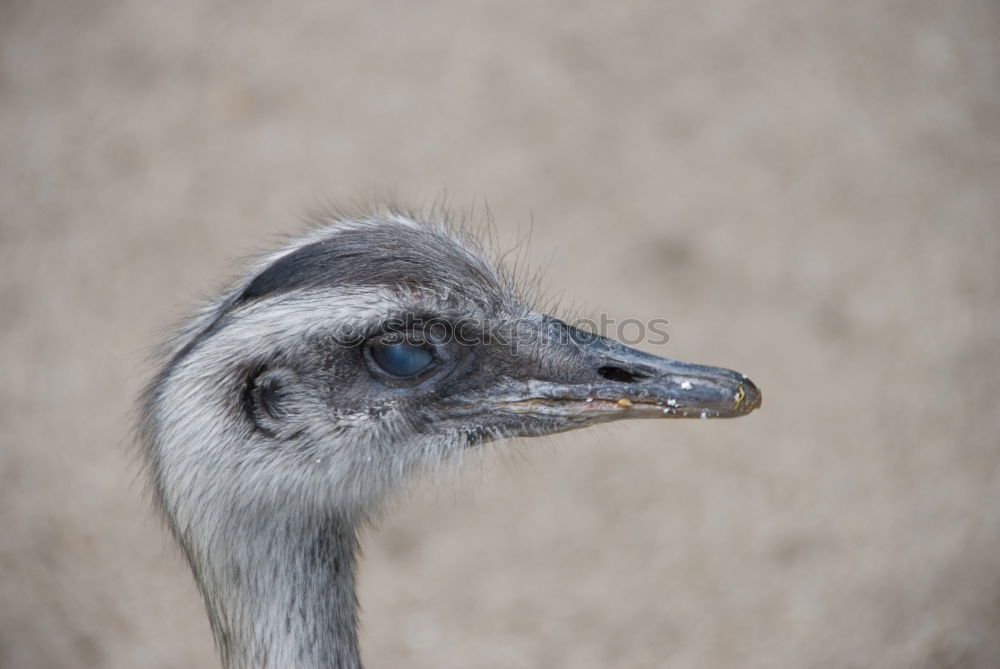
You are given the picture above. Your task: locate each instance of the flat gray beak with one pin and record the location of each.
(583, 378)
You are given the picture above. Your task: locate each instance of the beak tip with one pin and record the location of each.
(748, 396)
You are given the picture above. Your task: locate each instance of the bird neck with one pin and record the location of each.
(284, 593)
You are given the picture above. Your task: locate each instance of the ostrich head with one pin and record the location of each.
(370, 348)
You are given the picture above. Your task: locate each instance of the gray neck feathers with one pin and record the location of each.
(280, 592)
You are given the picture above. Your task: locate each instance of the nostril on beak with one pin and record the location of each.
(619, 375)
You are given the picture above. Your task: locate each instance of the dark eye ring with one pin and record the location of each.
(400, 358)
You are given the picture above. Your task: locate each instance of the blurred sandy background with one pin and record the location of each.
(808, 191)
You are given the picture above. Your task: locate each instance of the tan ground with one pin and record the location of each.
(808, 191)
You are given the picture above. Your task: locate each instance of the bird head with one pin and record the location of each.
(373, 347)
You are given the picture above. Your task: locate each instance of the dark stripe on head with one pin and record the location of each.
(383, 255)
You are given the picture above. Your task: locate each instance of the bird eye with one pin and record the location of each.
(401, 359)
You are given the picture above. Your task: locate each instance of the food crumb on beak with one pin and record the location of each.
(624, 403)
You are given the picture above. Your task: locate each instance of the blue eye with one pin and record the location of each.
(402, 359)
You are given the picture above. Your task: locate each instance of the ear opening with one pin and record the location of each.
(271, 399)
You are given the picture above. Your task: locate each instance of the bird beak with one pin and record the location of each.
(576, 378)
